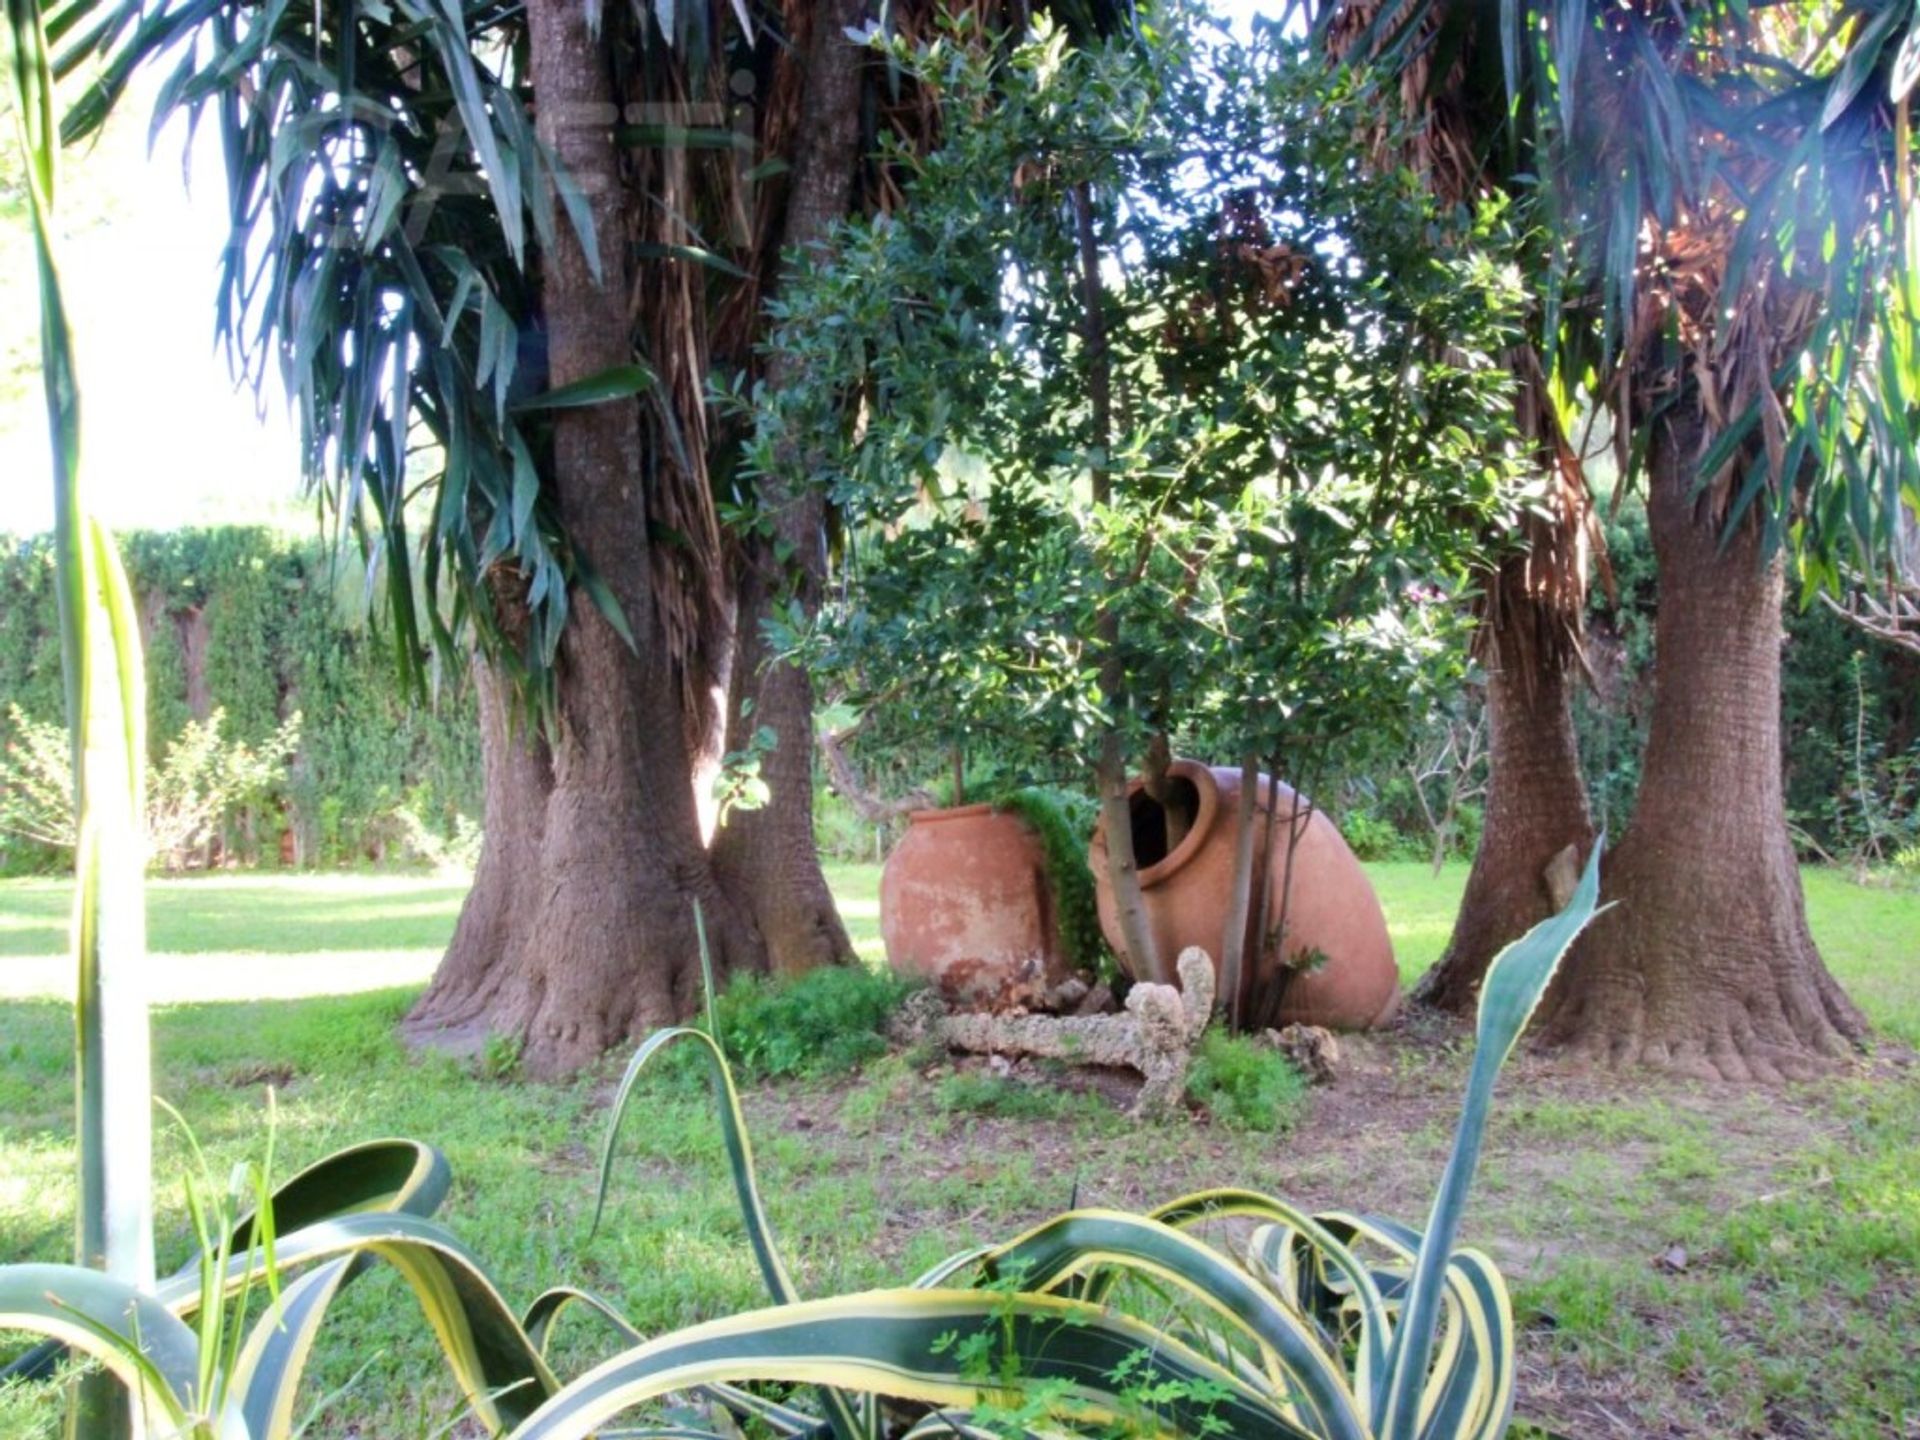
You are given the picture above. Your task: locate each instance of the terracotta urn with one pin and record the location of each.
(1334, 966)
(966, 904)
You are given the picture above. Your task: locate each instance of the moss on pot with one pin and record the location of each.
(1052, 815)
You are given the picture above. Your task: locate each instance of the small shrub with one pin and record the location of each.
(202, 781)
(825, 1022)
(974, 1093)
(1245, 1086)
(1372, 837)
(840, 834)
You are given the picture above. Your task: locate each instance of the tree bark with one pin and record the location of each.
(1706, 967)
(518, 776)
(766, 859)
(1536, 806)
(1237, 933)
(583, 934)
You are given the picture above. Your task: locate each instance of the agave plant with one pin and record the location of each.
(1334, 1326)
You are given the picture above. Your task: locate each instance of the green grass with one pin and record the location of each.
(267, 912)
(1797, 1312)
(1870, 935)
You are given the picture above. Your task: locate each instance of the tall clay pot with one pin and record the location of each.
(966, 904)
(1332, 909)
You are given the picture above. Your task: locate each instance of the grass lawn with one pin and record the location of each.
(1689, 1261)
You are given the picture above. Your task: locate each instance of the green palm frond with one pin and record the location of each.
(1721, 194)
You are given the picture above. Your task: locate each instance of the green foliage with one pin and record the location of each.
(825, 1022)
(841, 834)
(974, 1092)
(1245, 1085)
(499, 1057)
(1850, 716)
(1372, 836)
(1312, 411)
(738, 784)
(259, 626)
(1754, 149)
(200, 783)
(1064, 821)
(1611, 714)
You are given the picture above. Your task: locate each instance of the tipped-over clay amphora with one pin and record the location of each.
(1338, 969)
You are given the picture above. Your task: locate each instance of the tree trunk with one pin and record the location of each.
(1706, 966)
(1536, 806)
(767, 859)
(518, 772)
(1237, 934)
(583, 935)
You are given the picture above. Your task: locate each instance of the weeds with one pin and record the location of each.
(1244, 1085)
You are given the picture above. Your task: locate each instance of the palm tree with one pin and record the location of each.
(500, 254)
(1724, 195)
(1455, 134)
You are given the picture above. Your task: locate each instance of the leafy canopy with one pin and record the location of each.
(1311, 417)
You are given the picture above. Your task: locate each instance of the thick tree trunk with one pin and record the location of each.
(766, 859)
(1706, 966)
(583, 935)
(1536, 807)
(518, 771)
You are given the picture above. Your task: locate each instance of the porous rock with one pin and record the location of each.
(1313, 1050)
(1154, 1035)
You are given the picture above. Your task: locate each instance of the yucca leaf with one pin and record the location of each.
(947, 1273)
(265, 1382)
(841, 1411)
(547, 1308)
(1514, 983)
(499, 1367)
(1301, 1370)
(906, 1343)
(1906, 64)
(617, 383)
(1857, 65)
(733, 1134)
(1487, 1396)
(106, 719)
(143, 1345)
(381, 1175)
(958, 1425)
(1329, 1248)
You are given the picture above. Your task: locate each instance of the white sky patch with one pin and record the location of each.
(166, 440)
